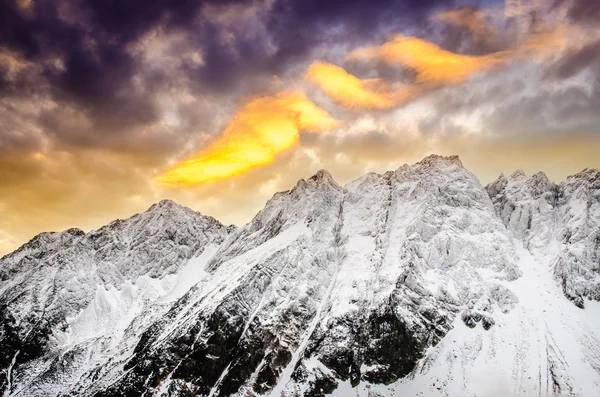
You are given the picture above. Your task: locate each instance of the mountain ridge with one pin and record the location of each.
(582, 173)
(328, 287)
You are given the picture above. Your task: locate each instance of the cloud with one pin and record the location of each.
(585, 11)
(433, 66)
(113, 63)
(437, 66)
(431, 63)
(24, 4)
(260, 130)
(577, 60)
(354, 93)
(475, 21)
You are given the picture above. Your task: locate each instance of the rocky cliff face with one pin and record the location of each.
(328, 288)
(557, 223)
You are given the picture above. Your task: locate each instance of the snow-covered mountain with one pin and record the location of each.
(70, 300)
(416, 282)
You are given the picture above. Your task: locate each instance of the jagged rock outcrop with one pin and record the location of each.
(557, 223)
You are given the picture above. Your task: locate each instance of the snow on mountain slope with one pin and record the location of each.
(559, 224)
(578, 263)
(414, 282)
(66, 297)
(328, 284)
(264, 288)
(527, 205)
(414, 258)
(545, 346)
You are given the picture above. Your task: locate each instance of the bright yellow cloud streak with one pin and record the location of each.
(352, 92)
(261, 129)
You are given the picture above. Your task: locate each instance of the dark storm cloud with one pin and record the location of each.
(294, 28)
(299, 25)
(93, 35)
(79, 53)
(227, 64)
(587, 11)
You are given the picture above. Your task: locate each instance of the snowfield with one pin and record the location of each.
(416, 282)
(545, 346)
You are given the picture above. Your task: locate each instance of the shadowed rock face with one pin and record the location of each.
(326, 285)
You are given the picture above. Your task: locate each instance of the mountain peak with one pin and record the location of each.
(540, 175)
(518, 173)
(321, 178)
(438, 159)
(292, 302)
(588, 174)
(74, 231)
(165, 204)
(170, 206)
(321, 175)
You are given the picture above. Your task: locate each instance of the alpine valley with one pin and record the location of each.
(416, 282)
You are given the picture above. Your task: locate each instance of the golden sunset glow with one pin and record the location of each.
(354, 93)
(435, 65)
(267, 126)
(261, 129)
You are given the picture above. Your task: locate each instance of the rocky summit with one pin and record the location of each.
(415, 282)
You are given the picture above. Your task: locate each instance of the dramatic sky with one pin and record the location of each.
(107, 106)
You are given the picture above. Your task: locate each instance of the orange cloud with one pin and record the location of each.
(432, 63)
(473, 20)
(352, 92)
(24, 4)
(262, 128)
(437, 66)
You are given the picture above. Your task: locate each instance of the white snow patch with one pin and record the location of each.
(9, 375)
(112, 310)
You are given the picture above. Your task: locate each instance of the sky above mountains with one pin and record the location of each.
(108, 106)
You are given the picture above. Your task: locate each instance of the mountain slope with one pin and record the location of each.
(418, 281)
(328, 284)
(544, 346)
(67, 292)
(559, 224)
